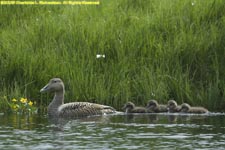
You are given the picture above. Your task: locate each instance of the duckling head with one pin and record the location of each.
(128, 106)
(171, 105)
(185, 107)
(152, 103)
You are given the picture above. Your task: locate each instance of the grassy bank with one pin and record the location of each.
(153, 50)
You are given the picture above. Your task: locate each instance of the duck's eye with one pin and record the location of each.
(54, 81)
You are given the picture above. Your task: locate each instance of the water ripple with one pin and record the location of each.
(119, 132)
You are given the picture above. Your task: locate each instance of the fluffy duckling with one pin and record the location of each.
(130, 107)
(57, 108)
(173, 107)
(154, 107)
(186, 108)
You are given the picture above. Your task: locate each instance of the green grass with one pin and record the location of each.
(154, 50)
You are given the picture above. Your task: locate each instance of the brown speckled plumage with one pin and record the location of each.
(57, 108)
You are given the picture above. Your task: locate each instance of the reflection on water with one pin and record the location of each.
(137, 131)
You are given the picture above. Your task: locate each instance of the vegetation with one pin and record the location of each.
(153, 50)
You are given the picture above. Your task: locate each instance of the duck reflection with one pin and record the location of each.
(58, 124)
(172, 118)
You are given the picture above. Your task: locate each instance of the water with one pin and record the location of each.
(146, 131)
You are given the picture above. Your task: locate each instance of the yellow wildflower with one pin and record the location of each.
(14, 100)
(30, 103)
(23, 100)
(15, 107)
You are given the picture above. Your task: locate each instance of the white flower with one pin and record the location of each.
(100, 56)
(192, 3)
(153, 94)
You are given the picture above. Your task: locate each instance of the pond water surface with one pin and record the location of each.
(145, 131)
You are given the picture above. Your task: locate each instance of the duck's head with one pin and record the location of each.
(54, 85)
(185, 107)
(128, 105)
(152, 103)
(172, 104)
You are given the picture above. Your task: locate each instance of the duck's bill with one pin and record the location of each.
(44, 89)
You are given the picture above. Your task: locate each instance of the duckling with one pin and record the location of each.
(173, 107)
(186, 108)
(130, 107)
(57, 108)
(154, 107)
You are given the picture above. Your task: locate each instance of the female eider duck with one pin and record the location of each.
(130, 107)
(154, 107)
(173, 107)
(57, 108)
(186, 108)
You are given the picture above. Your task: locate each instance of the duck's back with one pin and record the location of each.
(139, 110)
(162, 108)
(81, 109)
(197, 110)
(158, 109)
(175, 110)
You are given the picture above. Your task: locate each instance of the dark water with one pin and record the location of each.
(146, 131)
